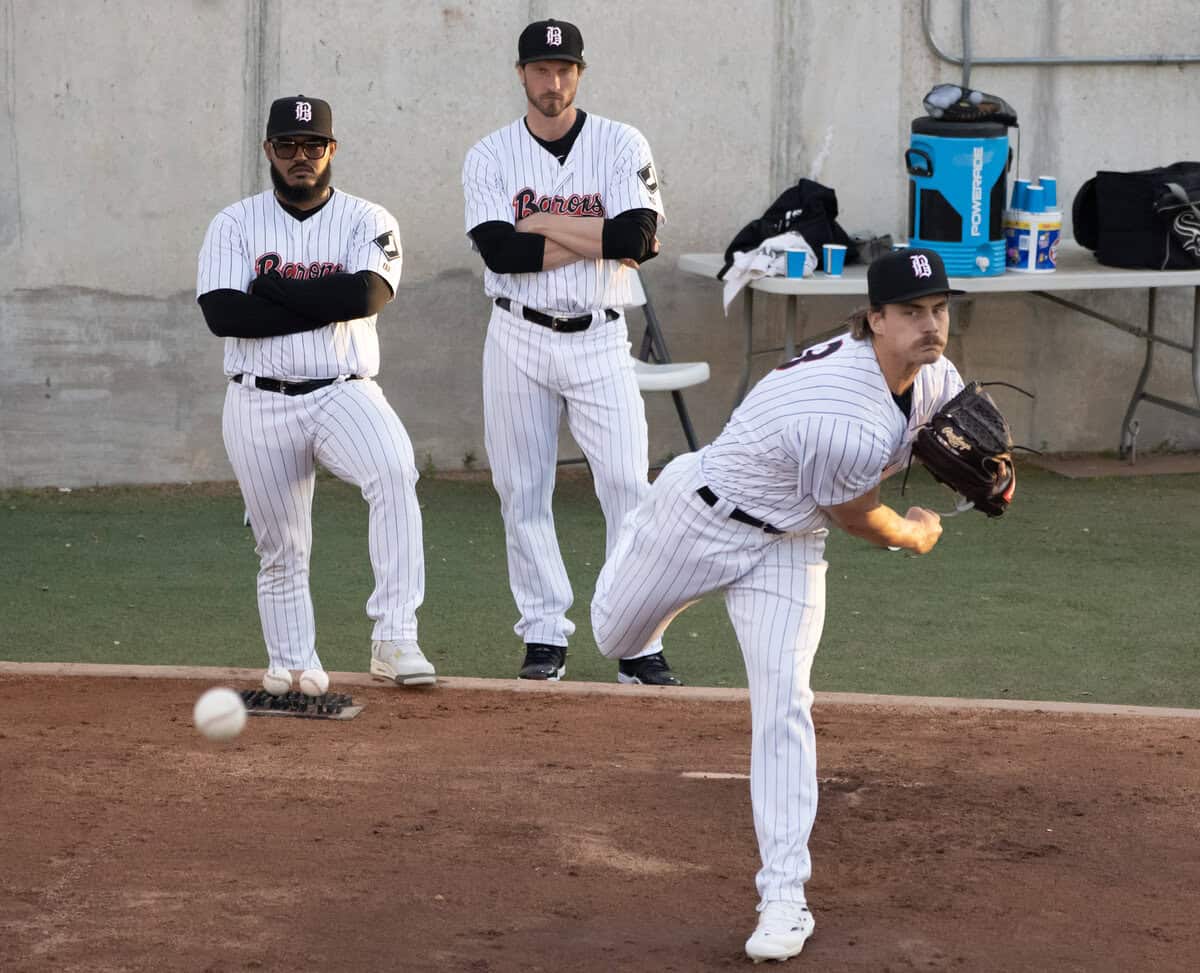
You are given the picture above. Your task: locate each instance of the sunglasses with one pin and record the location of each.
(286, 148)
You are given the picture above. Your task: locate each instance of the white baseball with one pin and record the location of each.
(314, 682)
(277, 681)
(219, 714)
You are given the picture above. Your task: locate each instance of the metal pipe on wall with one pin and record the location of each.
(968, 60)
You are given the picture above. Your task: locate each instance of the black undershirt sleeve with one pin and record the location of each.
(233, 314)
(279, 306)
(334, 297)
(505, 251)
(630, 234)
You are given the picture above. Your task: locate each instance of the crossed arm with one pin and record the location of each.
(547, 241)
(276, 305)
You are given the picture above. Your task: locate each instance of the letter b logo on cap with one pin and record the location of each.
(920, 265)
(554, 36)
(303, 111)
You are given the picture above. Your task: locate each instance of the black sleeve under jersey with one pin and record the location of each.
(505, 251)
(234, 314)
(630, 234)
(334, 297)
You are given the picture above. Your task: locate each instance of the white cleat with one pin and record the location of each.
(402, 662)
(783, 928)
(277, 681)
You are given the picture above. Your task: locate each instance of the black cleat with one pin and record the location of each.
(649, 670)
(546, 662)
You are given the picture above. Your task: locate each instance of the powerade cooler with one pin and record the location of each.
(956, 193)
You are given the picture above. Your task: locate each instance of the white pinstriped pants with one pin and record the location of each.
(274, 442)
(672, 550)
(530, 376)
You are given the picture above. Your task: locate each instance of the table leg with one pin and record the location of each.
(748, 354)
(1126, 443)
(1196, 341)
(789, 328)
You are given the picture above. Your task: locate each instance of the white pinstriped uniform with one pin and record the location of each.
(531, 374)
(274, 441)
(817, 432)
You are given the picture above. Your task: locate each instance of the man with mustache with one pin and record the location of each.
(561, 204)
(293, 279)
(748, 515)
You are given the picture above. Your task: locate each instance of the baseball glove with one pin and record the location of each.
(967, 446)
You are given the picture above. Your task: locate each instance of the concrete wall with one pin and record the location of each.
(125, 126)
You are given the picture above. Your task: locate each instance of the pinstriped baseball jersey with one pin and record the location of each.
(257, 235)
(820, 431)
(509, 175)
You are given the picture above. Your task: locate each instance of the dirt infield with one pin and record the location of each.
(478, 830)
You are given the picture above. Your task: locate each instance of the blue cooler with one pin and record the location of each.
(956, 193)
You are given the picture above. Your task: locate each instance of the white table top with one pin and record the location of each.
(1077, 271)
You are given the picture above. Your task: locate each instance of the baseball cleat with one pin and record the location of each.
(277, 680)
(649, 670)
(783, 928)
(402, 662)
(544, 662)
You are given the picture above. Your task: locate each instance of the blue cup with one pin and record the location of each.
(1019, 192)
(1049, 186)
(795, 263)
(834, 257)
(1034, 199)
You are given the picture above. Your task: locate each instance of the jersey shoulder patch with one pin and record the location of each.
(387, 243)
(649, 177)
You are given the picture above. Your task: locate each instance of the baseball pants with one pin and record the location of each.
(531, 375)
(673, 549)
(274, 442)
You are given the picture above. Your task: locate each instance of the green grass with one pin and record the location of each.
(1085, 590)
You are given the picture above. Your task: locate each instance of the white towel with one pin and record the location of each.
(768, 260)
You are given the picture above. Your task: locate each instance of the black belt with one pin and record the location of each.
(569, 325)
(737, 513)
(291, 388)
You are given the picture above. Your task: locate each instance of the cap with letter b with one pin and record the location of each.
(904, 275)
(550, 40)
(300, 115)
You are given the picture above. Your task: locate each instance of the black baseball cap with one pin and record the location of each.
(300, 115)
(905, 275)
(550, 40)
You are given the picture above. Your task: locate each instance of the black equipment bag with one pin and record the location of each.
(807, 208)
(1145, 219)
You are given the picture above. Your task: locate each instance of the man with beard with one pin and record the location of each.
(293, 279)
(748, 516)
(562, 205)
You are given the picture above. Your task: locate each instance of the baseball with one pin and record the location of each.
(219, 714)
(314, 682)
(277, 681)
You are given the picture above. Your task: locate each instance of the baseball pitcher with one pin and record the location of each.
(748, 515)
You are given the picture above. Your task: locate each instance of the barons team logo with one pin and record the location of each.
(920, 265)
(270, 263)
(527, 202)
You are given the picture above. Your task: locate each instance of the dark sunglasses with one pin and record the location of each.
(286, 148)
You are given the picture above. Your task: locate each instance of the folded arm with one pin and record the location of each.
(233, 314)
(629, 236)
(334, 297)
